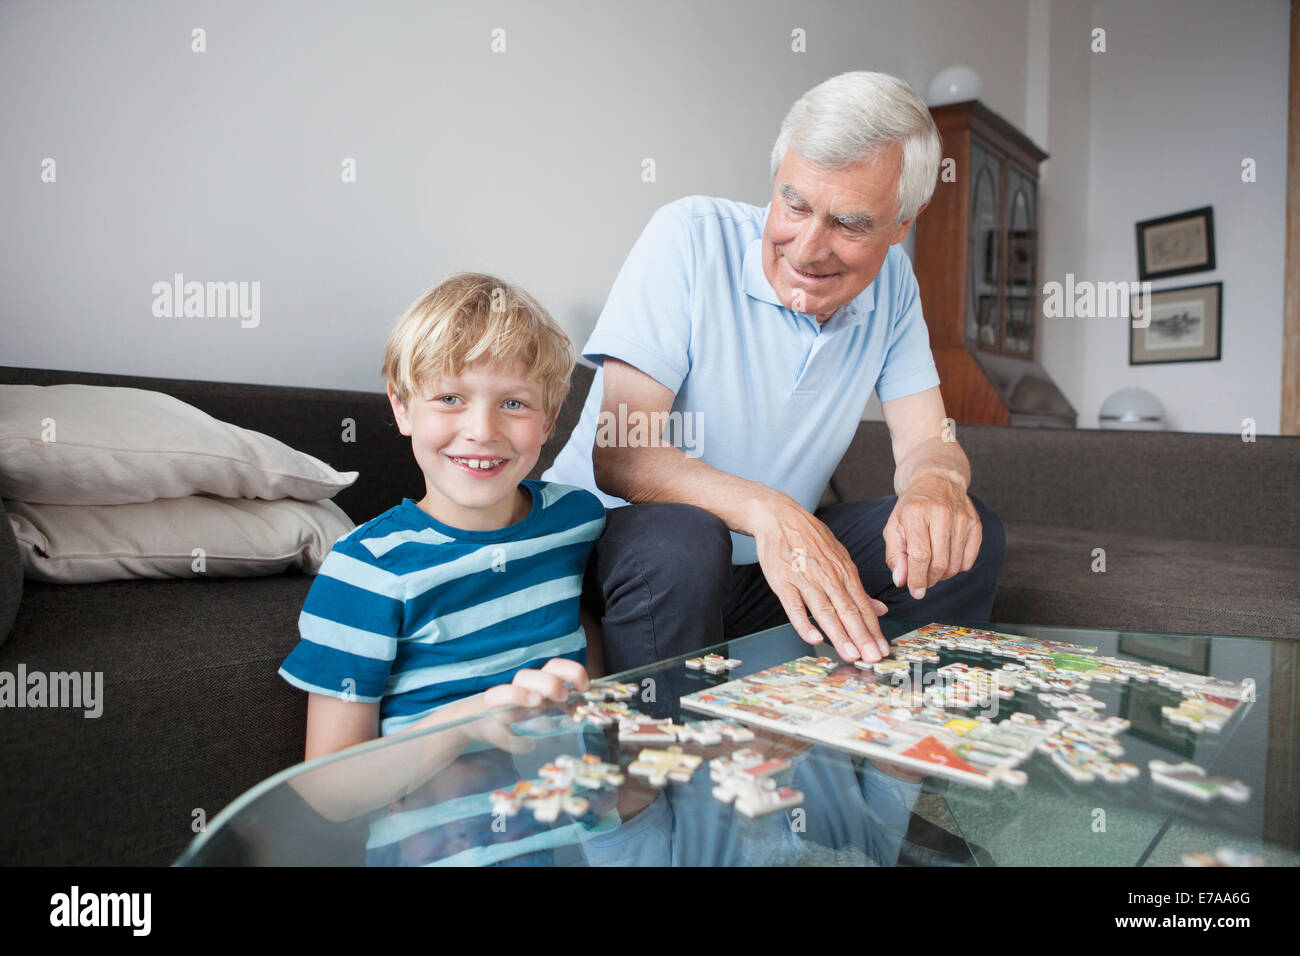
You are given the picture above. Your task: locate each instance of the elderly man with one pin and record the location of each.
(766, 330)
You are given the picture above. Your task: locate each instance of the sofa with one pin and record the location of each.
(1200, 534)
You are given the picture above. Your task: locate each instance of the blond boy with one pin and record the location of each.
(467, 599)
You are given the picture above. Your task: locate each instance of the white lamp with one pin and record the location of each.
(1133, 409)
(955, 85)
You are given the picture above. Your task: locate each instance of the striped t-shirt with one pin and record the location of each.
(416, 614)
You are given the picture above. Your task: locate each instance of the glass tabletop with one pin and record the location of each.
(553, 786)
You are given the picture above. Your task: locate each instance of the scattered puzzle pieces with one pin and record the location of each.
(544, 800)
(603, 713)
(713, 663)
(1201, 713)
(746, 779)
(660, 766)
(612, 691)
(587, 771)
(1192, 780)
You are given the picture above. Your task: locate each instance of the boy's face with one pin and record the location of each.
(475, 437)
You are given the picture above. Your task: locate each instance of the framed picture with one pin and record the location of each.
(1175, 245)
(1185, 326)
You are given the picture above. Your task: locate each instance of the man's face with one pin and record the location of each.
(829, 230)
(475, 437)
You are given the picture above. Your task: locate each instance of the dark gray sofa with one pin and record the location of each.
(1200, 533)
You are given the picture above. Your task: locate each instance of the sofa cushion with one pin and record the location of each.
(194, 713)
(90, 445)
(1150, 584)
(11, 575)
(189, 537)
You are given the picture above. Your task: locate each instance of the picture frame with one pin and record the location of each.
(1185, 325)
(1176, 245)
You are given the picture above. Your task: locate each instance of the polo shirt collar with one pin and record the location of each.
(754, 281)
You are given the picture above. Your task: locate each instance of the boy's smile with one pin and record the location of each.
(475, 437)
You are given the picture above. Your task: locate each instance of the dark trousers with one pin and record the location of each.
(662, 582)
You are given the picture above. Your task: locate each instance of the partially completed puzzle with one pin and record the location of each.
(924, 725)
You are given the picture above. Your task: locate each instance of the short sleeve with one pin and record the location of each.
(646, 321)
(348, 627)
(909, 364)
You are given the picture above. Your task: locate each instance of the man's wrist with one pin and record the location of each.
(936, 472)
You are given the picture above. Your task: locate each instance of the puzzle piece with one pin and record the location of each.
(660, 766)
(544, 800)
(603, 713)
(709, 733)
(1200, 714)
(1083, 763)
(1192, 780)
(612, 691)
(713, 663)
(586, 771)
(639, 729)
(746, 778)
(1224, 856)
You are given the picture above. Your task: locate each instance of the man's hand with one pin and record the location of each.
(932, 534)
(807, 567)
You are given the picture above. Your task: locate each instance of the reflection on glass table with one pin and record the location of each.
(427, 799)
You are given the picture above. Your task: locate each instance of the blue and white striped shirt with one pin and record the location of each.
(415, 614)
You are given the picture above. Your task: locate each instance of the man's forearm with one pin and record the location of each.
(934, 457)
(664, 473)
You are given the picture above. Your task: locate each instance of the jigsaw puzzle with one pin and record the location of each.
(818, 699)
(886, 711)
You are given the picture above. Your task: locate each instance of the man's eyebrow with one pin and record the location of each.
(857, 220)
(788, 192)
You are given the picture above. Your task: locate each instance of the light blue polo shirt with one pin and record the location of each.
(763, 393)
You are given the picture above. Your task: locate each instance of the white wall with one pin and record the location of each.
(1184, 92)
(225, 165)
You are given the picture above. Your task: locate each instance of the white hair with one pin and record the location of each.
(856, 115)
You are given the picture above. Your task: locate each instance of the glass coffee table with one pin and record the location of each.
(427, 798)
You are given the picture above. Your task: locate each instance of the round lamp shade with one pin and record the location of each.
(1133, 409)
(956, 84)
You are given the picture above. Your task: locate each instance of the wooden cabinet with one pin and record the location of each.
(977, 265)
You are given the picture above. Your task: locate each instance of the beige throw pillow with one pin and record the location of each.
(174, 538)
(93, 445)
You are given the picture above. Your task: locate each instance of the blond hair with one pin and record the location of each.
(471, 319)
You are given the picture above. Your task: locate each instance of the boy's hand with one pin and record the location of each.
(530, 687)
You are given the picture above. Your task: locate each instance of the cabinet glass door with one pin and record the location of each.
(983, 274)
(1022, 267)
